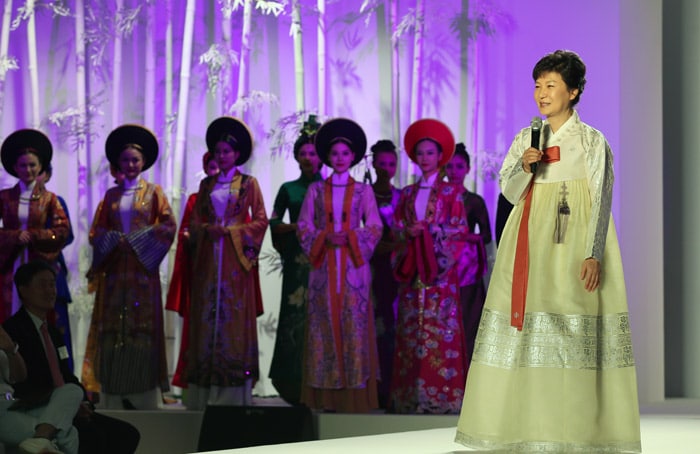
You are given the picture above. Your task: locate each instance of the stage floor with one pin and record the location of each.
(661, 434)
(669, 427)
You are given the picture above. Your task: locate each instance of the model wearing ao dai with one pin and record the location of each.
(385, 290)
(340, 366)
(473, 265)
(222, 360)
(125, 353)
(430, 362)
(179, 290)
(34, 209)
(287, 360)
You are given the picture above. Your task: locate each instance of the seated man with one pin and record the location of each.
(46, 358)
(33, 426)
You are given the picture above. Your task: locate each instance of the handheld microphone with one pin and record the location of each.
(535, 128)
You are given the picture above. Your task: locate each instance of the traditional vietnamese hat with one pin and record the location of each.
(434, 130)
(227, 128)
(23, 139)
(341, 129)
(132, 134)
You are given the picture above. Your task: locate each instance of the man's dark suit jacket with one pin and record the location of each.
(99, 433)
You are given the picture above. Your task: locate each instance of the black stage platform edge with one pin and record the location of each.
(230, 427)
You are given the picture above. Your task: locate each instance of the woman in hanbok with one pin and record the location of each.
(287, 359)
(226, 231)
(133, 230)
(430, 357)
(34, 225)
(178, 299)
(473, 262)
(338, 228)
(384, 287)
(553, 369)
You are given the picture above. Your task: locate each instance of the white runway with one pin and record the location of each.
(661, 434)
(668, 427)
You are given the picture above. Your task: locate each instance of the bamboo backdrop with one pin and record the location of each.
(175, 65)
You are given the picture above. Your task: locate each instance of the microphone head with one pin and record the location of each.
(536, 123)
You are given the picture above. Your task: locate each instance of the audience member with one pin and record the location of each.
(46, 359)
(35, 427)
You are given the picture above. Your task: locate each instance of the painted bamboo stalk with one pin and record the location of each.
(395, 72)
(476, 105)
(183, 101)
(33, 65)
(81, 227)
(167, 164)
(85, 198)
(243, 76)
(4, 49)
(321, 40)
(383, 68)
(416, 86)
(149, 115)
(463, 36)
(273, 51)
(298, 56)
(116, 68)
(225, 85)
(404, 162)
(168, 130)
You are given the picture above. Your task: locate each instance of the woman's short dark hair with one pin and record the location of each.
(568, 65)
(461, 151)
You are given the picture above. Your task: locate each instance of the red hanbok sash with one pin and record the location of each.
(521, 266)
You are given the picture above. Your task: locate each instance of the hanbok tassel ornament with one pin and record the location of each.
(562, 217)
